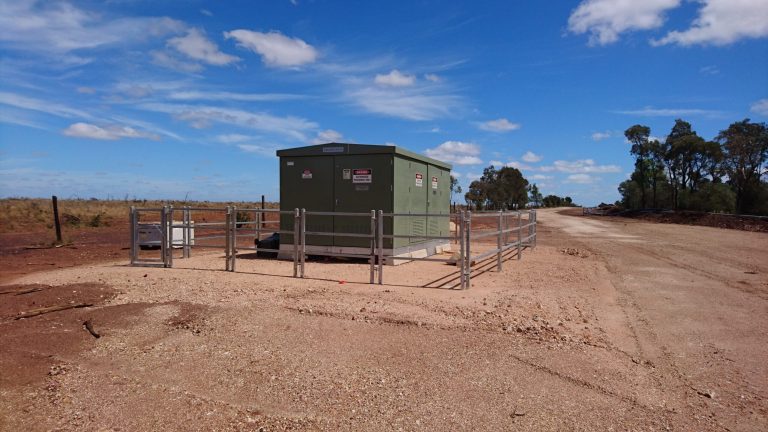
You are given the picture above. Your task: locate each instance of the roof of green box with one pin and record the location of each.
(331, 149)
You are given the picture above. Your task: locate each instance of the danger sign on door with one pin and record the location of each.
(434, 182)
(306, 174)
(419, 180)
(362, 175)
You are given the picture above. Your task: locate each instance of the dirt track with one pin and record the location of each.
(606, 325)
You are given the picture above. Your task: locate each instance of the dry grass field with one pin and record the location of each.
(609, 324)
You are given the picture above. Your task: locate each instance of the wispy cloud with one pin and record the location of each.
(47, 107)
(107, 132)
(581, 166)
(599, 136)
(203, 116)
(411, 103)
(275, 49)
(232, 96)
(671, 112)
(60, 28)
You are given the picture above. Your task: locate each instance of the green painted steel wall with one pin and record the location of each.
(393, 189)
(439, 201)
(360, 197)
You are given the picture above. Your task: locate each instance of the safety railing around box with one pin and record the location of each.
(481, 237)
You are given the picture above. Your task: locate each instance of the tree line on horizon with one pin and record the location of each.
(505, 188)
(687, 172)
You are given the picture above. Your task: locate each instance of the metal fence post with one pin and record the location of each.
(233, 255)
(498, 240)
(170, 236)
(519, 235)
(303, 239)
(380, 242)
(462, 252)
(164, 235)
(468, 265)
(373, 245)
(132, 219)
(227, 239)
(296, 233)
(185, 232)
(535, 227)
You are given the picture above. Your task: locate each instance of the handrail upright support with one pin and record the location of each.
(132, 218)
(373, 247)
(468, 265)
(499, 249)
(462, 251)
(303, 246)
(296, 229)
(380, 243)
(519, 235)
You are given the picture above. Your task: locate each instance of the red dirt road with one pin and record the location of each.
(606, 325)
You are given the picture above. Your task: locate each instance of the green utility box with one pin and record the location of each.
(357, 178)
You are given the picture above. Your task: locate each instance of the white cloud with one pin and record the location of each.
(432, 77)
(275, 49)
(580, 179)
(599, 136)
(109, 132)
(540, 177)
(86, 90)
(264, 150)
(395, 78)
(605, 20)
(457, 152)
(47, 107)
(198, 47)
(203, 116)
(583, 166)
(231, 96)
(760, 107)
(531, 157)
(709, 70)
(408, 103)
(670, 112)
(58, 27)
(206, 12)
(328, 136)
(722, 22)
(499, 125)
(234, 138)
(168, 61)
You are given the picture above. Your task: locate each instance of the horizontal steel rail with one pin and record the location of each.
(318, 213)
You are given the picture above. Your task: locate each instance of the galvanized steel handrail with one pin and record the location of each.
(377, 254)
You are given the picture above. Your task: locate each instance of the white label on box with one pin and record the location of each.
(434, 182)
(347, 174)
(419, 180)
(362, 175)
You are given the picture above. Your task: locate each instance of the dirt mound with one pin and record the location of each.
(742, 223)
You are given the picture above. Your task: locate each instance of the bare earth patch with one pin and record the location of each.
(634, 327)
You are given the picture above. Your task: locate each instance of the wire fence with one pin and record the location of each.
(233, 229)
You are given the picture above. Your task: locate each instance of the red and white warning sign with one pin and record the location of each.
(434, 182)
(306, 174)
(419, 180)
(362, 175)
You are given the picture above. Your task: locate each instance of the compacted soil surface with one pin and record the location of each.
(605, 325)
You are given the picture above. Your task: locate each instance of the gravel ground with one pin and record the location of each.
(604, 326)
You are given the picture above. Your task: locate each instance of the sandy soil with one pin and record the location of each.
(606, 325)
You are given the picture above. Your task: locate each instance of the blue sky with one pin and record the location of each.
(174, 99)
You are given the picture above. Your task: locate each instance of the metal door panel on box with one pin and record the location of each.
(361, 183)
(307, 182)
